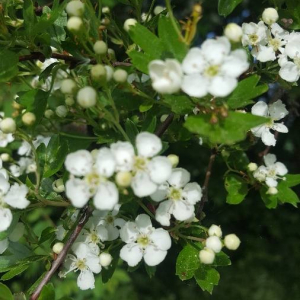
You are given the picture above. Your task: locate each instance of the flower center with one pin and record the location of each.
(94, 237)
(272, 173)
(81, 264)
(93, 180)
(143, 240)
(109, 219)
(175, 194)
(253, 38)
(275, 44)
(140, 163)
(212, 71)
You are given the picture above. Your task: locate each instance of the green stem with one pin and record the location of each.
(192, 238)
(78, 136)
(145, 208)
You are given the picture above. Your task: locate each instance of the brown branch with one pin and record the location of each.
(86, 213)
(204, 198)
(164, 126)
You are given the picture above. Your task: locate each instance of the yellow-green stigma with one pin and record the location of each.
(212, 71)
(275, 44)
(143, 240)
(80, 264)
(175, 194)
(94, 237)
(253, 38)
(109, 219)
(140, 163)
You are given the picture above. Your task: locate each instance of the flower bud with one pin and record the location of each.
(105, 259)
(100, 47)
(61, 111)
(128, 23)
(111, 54)
(31, 168)
(98, 72)
(158, 9)
(58, 247)
(5, 157)
(74, 24)
(16, 105)
(174, 159)
(75, 8)
(109, 73)
(215, 230)
(207, 256)
(58, 185)
(87, 97)
(28, 118)
(270, 15)
(163, 118)
(120, 76)
(144, 17)
(68, 86)
(69, 100)
(214, 243)
(252, 167)
(123, 178)
(272, 191)
(232, 242)
(8, 125)
(49, 113)
(105, 10)
(233, 32)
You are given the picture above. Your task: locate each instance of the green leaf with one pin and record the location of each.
(293, 7)
(47, 234)
(292, 180)
(56, 152)
(131, 130)
(246, 90)
(14, 272)
(269, 200)
(287, 195)
(48, 292)
(5, 234)
(170, 38)
(29, 17)
(140, 60)
(221, 260)
(179, 104)
(149, 123)
(5, 293)
(150, 270)
(226, 7)
(187, 262)
(227, 131)
(8, 65)
(207, 277)
(238, 160)
(236, 187)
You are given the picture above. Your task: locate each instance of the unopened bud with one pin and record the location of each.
(123, 179)
(61, 111)
(75, 8)
(214, 243)
(232, 242)
(105, 259)
(5, 157)
(58, 185)
(49, 113)
(8, 125)
(69, 100)
(105, 10)
(233, 32)
(29, 118)
(128, 23)
(111, 54)
(158, 9)
(272, 191)
(252, 167)
(58, 247)
(68, 86)
(215, 230)
(109, 73)
(74, 24)
(100, 47)
(87, 97)
(98, 72)
(120, 76)
(270, 15)
(207, 256)
(174, 159)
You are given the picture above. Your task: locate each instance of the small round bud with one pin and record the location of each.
(214, 243)
(233, 32)
(87, 97)
(207, 256)
(270, 15)
(128, 23)
(75, 8)
(8, 125)
(158, 9)
(252, 167)
(29, 118)
(49, 113)
(100, 47)
(69, 100)
(61, 111)
(109, 73)
(68, 86)
(5, 157)
(58, 247)
(232, 242)
(174, 159)
(163, 118)
(111, 53)
(215, 230)
(74, 24)
(98, 72)
(123, 179)
(145, 17)
(120, 76)
(105, 10)
(58, 185)
(16, 105)
(105, 259)
(272, 191)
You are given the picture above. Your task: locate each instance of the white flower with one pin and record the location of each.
(128, 23)
(276, 111)
(181, 197)
(148, 170)
(5, 139)
(215, 230)
(144, 241)
(232, 242)
(213, 69)
(14, 236)
(254, 34)
(214, 243)
(84, 261)
(16, 196)
(5, 217)
(166, 76)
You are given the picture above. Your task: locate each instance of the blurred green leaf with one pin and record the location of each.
(48, 292)
(5, 293)
(8, 65)
(236, 187)
(180, 104)
(207, 277)
(226, 7)
(14, 272)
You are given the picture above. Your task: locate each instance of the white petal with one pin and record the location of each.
(160, 169)
(129, 232)
(163, 212)
(161, 193)
(192, 193)
(6, 218)
(17, 232)
(195, 85)
(81, 250)
(263, 53)
(214, 243)
(280, 127)
(107, 196)
(281, 169)
(105, 163)
(16, 197)
(148, 144)
(132, 254)
(79, 163)
(3, 245)
(293, 46)
(142, 185)
(112, 232)
(260, 109)
(102, 233)
(236, 63)
(269, 159)
(161, 239)
(277, 110)
(4, 185)
(222, 86)
(93, 263)
(86, 280)
(78, 192)
(182, 210)
(258, 130)
(154, 256)
(143, 223)
(214, 51)
(179, 177)
(271, 182)
(193, 62)
(124, 155)
(289, 72)
(268, 138)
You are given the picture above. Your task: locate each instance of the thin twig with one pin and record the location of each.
(86, 213)
(164, 126)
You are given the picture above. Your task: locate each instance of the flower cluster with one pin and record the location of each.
(212, 69)
(269, 42)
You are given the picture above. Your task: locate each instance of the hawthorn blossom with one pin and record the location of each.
(180, 197)
(213, 68)
(144, 241)
(254, 34)
(148, 170)
(276, 111)
(14, 236)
